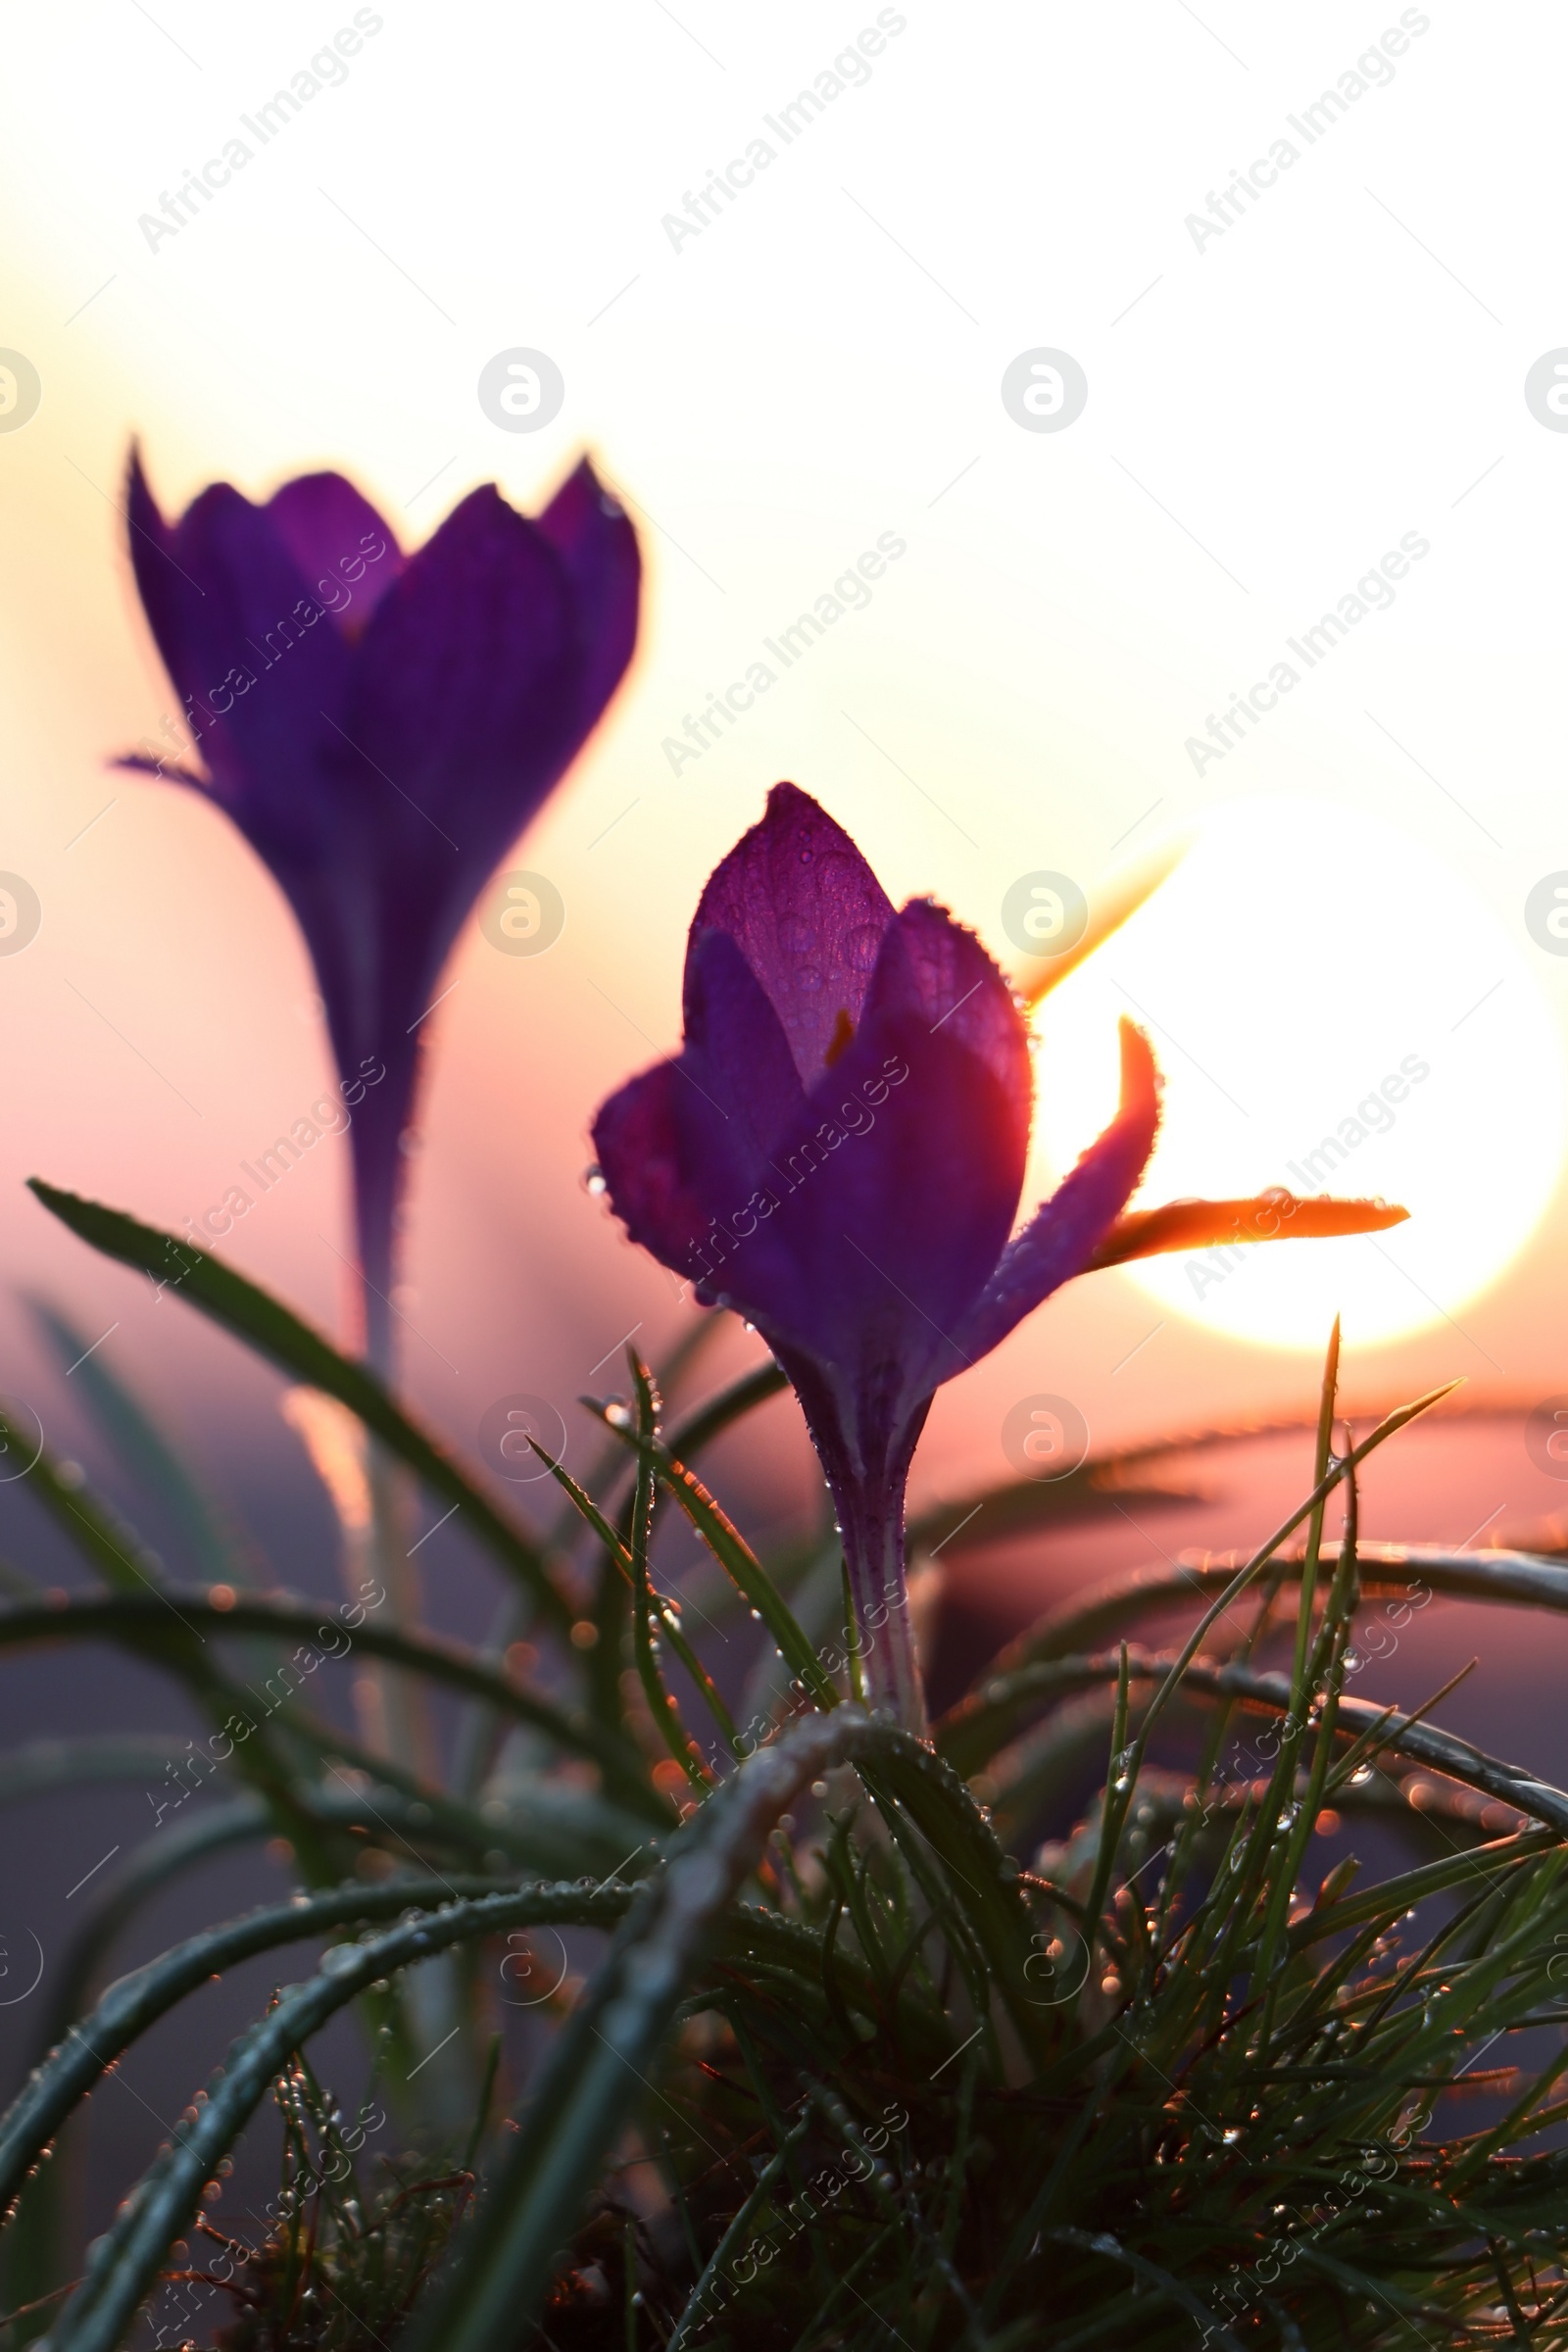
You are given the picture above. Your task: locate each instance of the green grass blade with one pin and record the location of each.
(136, 2002)
(736, 1557)
(128, 2258)
(594, 2077)
(218, 1551)
(42, 1767)
(144, 1873)
(140, 1619)
(248, 1311)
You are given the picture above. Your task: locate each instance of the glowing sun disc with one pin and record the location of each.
(1334, 1010)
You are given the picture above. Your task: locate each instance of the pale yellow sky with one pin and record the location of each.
(1269, 414)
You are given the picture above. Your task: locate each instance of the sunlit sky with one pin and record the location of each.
(1272, 408)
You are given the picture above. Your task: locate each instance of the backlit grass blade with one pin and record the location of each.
(247, 1310)
(736, 1557)
(143, 1620)
(138, 2000)
(217, 1549)
(127, 2259)
(593, 2078)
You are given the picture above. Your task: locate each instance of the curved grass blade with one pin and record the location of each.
(127, 2259)
(131, 1618)
(148, 1868)
(41, 1767)
(735, 1556)
(247, 1310)
(1358, 1720)
(594, 2077)
(218, 1551)
(136, 2001)
(1387, 1571)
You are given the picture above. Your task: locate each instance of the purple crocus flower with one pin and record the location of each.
(380, 726)
(838, 1152)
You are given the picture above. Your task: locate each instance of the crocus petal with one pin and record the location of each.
(467, 687)
(809, 916)
(1272, 1216)
(892, 1200)
(1060, 1239)
(591, 534)
(938, 969)
(637, 1138)
(345, 550)
(383, 748)
(688, 1151)
(736, 1043)
(240, 634)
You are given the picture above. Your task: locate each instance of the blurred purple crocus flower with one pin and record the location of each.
(380, 726)
(838, 1152)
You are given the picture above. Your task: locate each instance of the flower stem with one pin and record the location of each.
(872, 1521)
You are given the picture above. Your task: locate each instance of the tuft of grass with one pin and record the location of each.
(1078, 2027)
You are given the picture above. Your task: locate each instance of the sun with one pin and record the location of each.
(1334, 1010)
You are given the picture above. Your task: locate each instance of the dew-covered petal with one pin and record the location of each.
(897, 1192)
(1062, 1237)
(938, 970)
(809, 916)
(734, 1033)
(637, 1140)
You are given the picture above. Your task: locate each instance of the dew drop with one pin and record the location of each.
(594, 1180)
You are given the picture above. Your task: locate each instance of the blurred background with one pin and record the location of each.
(1149, 338)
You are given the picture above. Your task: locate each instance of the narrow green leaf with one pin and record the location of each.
(143, 1620)
(594, 2076)
(218, 1548)
(127, 2259)
(737, 1558)
(248, 1311)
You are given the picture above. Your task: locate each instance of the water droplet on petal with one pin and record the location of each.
(594, 1180)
